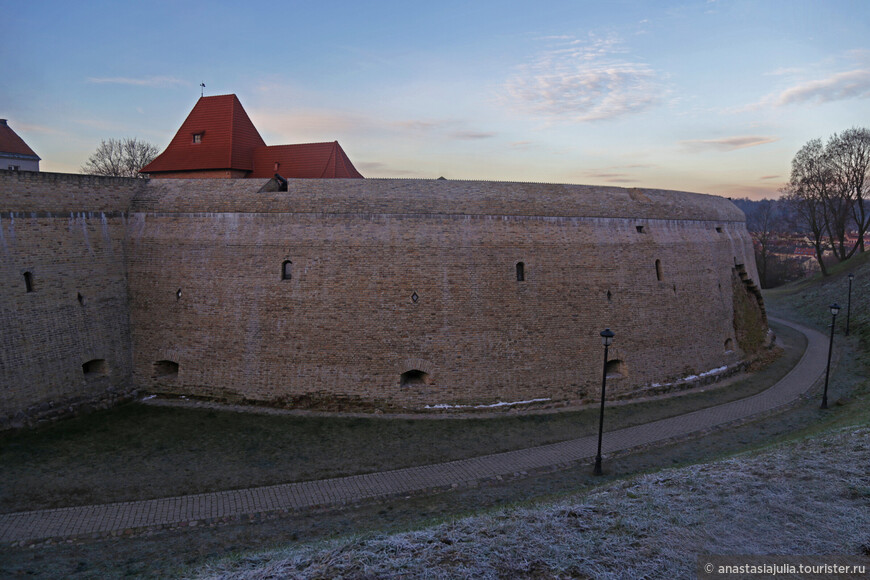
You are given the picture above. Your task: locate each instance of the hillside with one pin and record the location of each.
(808, 497)
(808, 494)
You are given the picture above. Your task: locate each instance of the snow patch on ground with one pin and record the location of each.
(715, 371)
(490, 406)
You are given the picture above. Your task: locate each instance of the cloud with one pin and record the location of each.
(846, 85)
(470, 135)
(612, 177)
(141, 82)
(584, 81)
(727, 143)
(854, 84)
(617, 173)
(765, 177)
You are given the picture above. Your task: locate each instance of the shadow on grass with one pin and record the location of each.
(141, 452)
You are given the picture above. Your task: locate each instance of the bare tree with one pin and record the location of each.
(120, 158)
(849, 154)
(807, 193)
(764, 221)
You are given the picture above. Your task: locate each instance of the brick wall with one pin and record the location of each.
(184, 290)
(67, 234)
(345, 326)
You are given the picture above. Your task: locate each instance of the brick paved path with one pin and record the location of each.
(98, 520)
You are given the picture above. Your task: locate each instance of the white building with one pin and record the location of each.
(15, 154)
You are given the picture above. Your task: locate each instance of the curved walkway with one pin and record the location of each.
(136, 516)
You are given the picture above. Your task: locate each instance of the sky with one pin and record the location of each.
(711, 96)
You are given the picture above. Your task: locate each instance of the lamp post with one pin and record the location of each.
(835, 309)
(607, 339)
(849, 303)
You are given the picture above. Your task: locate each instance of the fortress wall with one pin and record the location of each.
(345, 325)
(439, 197)
(27, 191)
(68, 233)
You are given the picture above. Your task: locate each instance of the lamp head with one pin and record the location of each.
(851, 276)
(607, 337)
(835, 308)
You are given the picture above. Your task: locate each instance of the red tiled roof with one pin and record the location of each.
(228, 139)
(11, 143)
(307, 160)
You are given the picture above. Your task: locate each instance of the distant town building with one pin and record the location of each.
(219, 140)
(15, 154)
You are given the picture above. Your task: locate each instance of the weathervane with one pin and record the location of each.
(202, 91)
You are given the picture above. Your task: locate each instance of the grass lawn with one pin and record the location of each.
(142, 452)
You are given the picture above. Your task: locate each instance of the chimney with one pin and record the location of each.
(3, 122)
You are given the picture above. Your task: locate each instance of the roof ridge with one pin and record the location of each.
(330, 160)
(231, 148)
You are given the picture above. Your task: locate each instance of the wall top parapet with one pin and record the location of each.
(436, 197)
(59, 192)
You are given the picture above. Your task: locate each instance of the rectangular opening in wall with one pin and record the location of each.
(719, 229)
(639, 229)
(95, 368)
(165, 369)
(28, 281)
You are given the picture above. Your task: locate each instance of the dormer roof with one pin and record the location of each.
(217, 134)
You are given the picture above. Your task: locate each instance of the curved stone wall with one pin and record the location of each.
(405, 293)
(369, 294)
